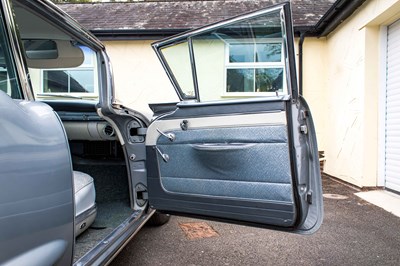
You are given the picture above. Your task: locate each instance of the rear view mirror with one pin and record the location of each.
(47, 54)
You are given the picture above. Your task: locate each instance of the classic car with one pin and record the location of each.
(80, 173)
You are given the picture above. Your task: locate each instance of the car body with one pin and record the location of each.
(243, 160)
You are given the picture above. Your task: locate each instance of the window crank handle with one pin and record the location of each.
(170, 136)
(164, 156)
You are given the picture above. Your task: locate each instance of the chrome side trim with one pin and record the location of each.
(16, 49)
(112, 244)
(151, 212)
(242, 120)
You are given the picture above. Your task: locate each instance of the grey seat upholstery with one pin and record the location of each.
(85, 201)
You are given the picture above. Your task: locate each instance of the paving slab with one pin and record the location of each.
(385, 199)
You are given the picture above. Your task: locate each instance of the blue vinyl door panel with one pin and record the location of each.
(241, 170)
(246, 167)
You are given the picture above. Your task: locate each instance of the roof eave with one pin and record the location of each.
(155, 34)
(135, 34)
(336, 14)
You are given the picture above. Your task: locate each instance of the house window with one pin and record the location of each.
(255, 67)
(79, 80)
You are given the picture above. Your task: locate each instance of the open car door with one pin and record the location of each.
(36, 179)
(223, 153)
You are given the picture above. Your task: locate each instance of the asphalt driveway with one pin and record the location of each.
(354, 232)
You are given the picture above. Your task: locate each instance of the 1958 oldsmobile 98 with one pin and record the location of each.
(78, 178)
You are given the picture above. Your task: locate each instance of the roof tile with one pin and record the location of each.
(182, 14)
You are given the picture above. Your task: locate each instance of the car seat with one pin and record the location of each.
(85, 205)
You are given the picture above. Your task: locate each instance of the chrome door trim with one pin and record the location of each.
(16, 50)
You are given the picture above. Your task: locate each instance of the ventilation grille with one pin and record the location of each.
(109, 131)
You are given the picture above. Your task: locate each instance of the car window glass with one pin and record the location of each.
(239, 58)
(178, 58)
(8, 80)
(58, 64)
(242, 59)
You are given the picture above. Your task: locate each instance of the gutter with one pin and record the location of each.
(136, 34)
(157, 34)
(302, 36)
(336, 14)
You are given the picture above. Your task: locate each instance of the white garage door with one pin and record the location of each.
(392, 149)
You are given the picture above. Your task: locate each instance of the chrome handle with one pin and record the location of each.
(170, 136)
(164, 156)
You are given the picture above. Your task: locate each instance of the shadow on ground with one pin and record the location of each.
(354, 232)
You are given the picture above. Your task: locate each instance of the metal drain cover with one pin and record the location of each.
(197, 230)
(335, 196)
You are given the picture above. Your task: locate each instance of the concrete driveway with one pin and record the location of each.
(354, 232)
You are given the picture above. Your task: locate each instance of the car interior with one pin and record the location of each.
(61, 70)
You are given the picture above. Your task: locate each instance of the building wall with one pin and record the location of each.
(353, 74)
(138, 75)
(314, 84)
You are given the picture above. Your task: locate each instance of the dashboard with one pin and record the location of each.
(81, 121)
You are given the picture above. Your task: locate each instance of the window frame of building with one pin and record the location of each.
(253, 65)
(89, 64)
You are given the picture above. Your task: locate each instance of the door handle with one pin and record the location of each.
(222, 146)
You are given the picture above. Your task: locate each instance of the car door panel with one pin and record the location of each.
(233, 165)
(36, 186)
(37, 207)
(246, 160)
(228, 157)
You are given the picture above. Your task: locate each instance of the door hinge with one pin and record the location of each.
(142, 196)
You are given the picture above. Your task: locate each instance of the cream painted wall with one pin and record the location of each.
(178, 59)
(35, 76)
(353, 54)
(210, 60)
(138, 75)
(314, 83)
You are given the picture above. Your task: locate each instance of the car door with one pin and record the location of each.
(36, 190)
(241, 145)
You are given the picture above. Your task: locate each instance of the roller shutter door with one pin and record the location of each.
(392, 142)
